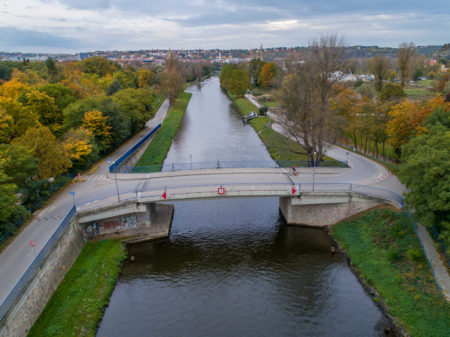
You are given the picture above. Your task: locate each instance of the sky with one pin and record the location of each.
(70, 26)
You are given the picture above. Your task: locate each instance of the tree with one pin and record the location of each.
(23, 118)
(305, 96)
(379, 66)
(62, 95)
(13, 89)
(172, 82)
(405, 54)
(267, 75)
(7, 195)
(51, 68)
(145, 78)
(392, 92)
(6, 127)
(239, 82)
(19, 163)
(97, 65)
(406, 119)
(97, 124)
(426, 173)
(52, 159)
(78, 144)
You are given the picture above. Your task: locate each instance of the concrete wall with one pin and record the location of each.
(324, 214)
(29, 306)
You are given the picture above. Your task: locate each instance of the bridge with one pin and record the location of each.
(310, 198)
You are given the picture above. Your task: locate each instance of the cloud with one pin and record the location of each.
(142, 24)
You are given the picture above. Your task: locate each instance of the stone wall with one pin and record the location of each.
(322, 215)
(29, 306)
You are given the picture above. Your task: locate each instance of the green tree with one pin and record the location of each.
(62, 95)
(425, 171)
(392, 92)
(97, 65)
(405, 54)
(172, 82)
(51, 68)
(239, 82)
(53, 161)
(7, 196)
(19, 163)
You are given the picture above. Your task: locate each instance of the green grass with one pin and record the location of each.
(77, 306)
(417, 93)
(385, 250)
(157, 150)
(279, 146)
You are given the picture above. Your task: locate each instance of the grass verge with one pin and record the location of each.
(157, 150)
(383, 247)
(279, 146)
(77, 306)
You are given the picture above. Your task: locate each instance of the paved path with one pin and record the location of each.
(382, 178)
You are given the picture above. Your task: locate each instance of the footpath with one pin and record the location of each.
(388, 181)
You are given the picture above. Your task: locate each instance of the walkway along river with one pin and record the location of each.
(230, 267)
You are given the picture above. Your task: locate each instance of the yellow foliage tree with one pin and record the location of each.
(407, 119)
(23, 117)
(6, 127)
(77, 143)
(96, 123)
(12, 89)
(53, 161)
(28, 77)
(144, 78)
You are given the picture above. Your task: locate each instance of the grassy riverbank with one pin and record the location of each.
(77, 306)
(276, 144)
(383, 247)
(157, 150)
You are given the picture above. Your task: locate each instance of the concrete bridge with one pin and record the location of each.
(302, 202)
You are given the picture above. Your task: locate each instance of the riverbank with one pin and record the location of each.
(276, 143)
(77, 306)
(157, 150)
(386, 255)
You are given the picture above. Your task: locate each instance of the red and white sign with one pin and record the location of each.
(32, 243)
(293, 190)
(221, 190)
(164, 195)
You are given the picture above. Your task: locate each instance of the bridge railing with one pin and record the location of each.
(225, 164)
(28, 275)
(274, 188)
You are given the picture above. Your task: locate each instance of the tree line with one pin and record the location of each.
(57, 119)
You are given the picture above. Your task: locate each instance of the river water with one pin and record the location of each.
(230, 267)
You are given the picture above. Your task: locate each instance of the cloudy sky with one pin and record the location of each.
(87, 25)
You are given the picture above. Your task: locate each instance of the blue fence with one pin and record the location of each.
(124, 157)
(225, 164)
(37, 262)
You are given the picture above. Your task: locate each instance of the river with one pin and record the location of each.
(230, 267)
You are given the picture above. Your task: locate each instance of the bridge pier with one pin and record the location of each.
(323, 209)
(129, 219)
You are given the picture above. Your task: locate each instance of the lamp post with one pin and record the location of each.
(347, 158)
(115, 178)
(314, 169)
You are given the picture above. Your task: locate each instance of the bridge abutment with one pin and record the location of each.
(128, 219)
(323, 209)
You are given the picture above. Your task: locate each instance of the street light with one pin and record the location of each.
(347, 158)
(314, 169)
(115, 178)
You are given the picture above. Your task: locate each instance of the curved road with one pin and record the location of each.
(17, 257)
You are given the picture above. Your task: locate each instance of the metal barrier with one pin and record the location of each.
(157, 191)
(125, 156)
(224, 164)
(441, 243)
(28, 275)
(424, 253)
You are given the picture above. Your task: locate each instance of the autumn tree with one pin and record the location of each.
(6, 127)
(406, 119)
(305, 96)
(392, 92)
(405, 54)
(97, 124)
(23, 118)
(50, 153)
(172, 82)
(80, 146)
(145, 78)
(19, 163)
(7, 196)
(267, 74)
(379, 66)
(97, 65)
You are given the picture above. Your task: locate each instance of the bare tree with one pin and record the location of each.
(379, 66)
(405, 53)
(305, 94)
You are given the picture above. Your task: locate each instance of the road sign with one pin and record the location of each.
(72, 193)
(164, 195)
(221, 190)
(32, 243)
